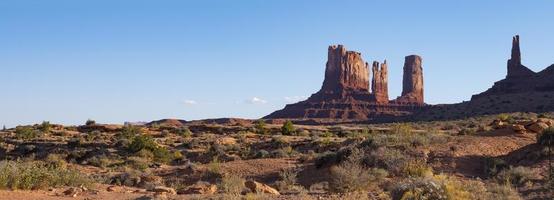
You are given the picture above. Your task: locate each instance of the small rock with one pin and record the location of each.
(260, 187)
(517, 128)
(226, 141)
(163, 189)
(200, 188)
(73, 192)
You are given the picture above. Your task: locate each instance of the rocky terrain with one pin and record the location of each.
(487, 157)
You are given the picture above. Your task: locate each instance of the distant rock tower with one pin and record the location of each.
(412, 82)
(515, 68)
(379, 83)
(345, 70)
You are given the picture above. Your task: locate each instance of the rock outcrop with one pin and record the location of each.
(515, 68)
(412, 82)
(346, 95)
(346, 74)
(519, 78)
(379, 83)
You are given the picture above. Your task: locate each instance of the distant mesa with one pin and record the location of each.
(347, 94)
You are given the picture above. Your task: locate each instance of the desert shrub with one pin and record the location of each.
(419, 189)
(505, 117)
(352, 176)
(99, 161)
(28, 175)
(232, 184)
(329, 158)
(287, 179)
(262, 154)
(145, 142)
(279, 142)
(260, 127)
(516, 176)
(25, 133)
(214, 169)
(142, 142)
(392, 160)
(184, 132)
(493, 166)
(417, 168)
(546, 138)
(401, 128)
(327, 134)
(129, 132)
(284, 152)
(138, 163)
(288, 128)
(45, 127)
(90, 122)
(504, 192)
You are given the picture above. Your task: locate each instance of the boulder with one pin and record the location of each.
(537, 127)
(260, 187)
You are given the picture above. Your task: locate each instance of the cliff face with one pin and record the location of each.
(345, 93)
(515, 68)
(412, 82)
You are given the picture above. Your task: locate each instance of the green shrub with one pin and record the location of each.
(25, 133)
(288, 128)
(184, 132)
(39, 175)
(145, 142)
(129, 132)
(90, 122)
(45, 127)
(260, 127)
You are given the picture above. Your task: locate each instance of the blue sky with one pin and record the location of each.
(130, 60)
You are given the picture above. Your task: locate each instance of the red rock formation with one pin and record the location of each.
(515, 68)
(345, 92)
(412, 83)
(379, 84)
(345, 70)
(520, 79)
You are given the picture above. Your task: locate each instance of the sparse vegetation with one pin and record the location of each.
(27, 175)
(288, 128)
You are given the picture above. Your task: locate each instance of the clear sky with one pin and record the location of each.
(133, 60)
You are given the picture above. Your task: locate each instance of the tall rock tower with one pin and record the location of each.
(345, 70)
(412, 82)
(515, 68)
(379, 83)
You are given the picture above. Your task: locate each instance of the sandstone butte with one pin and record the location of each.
(347, 95)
